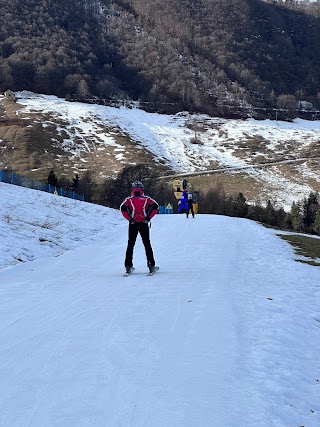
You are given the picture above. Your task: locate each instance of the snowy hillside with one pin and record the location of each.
(35, 224)
(95, 133)
(225, 334)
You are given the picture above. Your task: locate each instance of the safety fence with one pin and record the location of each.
(23, 181)
(166, 209)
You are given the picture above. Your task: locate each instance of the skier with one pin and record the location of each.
(138, 209)
(183, 203)
(190, 205)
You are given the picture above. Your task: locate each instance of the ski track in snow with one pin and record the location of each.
(226, 333)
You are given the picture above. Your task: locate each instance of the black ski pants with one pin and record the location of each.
(143, 229)
(190, 207)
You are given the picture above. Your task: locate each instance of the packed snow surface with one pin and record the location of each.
(225, 334)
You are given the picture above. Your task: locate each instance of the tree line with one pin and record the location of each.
(303, 217)
(202, 55)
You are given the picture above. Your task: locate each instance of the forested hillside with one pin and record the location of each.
(200, 55)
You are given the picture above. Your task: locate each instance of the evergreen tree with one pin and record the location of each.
(310, 209)
(316, 224)
(239, 206)
(295, 217)
(197, 55)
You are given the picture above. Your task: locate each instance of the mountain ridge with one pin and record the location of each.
(221, 57)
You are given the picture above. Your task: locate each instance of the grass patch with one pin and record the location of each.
(32, 150)
(304, 246)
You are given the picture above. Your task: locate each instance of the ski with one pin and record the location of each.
(127, 273)
(154, 269)
(151, 273)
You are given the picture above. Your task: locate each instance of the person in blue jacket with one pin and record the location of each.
(183, 203)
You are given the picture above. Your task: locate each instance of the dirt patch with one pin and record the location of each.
(313, 149)
(294, 172)
(255, 150)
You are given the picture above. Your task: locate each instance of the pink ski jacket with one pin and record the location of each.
(138, 207)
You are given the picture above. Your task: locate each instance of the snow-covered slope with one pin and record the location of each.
(168, 136)
(225, 334)
(86, 130)
(35, 224)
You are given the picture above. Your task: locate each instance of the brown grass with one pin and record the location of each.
(34, 150)
(304, 246)
(291, 172)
